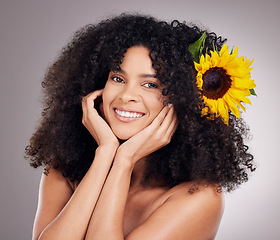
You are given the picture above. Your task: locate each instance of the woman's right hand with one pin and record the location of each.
(59, 214)
(95, 124)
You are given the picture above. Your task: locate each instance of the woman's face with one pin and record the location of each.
(132, 96)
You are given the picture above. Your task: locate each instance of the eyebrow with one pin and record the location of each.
(148, 75)
(144, 75)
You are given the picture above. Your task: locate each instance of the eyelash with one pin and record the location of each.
(117, 79)
(153, 85)
(120, 80)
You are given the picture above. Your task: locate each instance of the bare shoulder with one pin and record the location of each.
(185, 215)
(54, 193)
(53, 180)
(205, 197)
(201, 208)
(190, 191)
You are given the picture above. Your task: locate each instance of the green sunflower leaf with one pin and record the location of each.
(196, 47)
(252, 91)
(231, 50)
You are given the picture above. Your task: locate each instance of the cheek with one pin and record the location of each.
(105, 102)
(162, 99)
(101, 109)
(107, 94)
(156, 104)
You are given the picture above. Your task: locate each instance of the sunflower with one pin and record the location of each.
(224, 80)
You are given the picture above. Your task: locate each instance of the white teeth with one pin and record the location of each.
(128, 114)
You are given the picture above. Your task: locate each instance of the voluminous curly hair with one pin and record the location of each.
(201, 150)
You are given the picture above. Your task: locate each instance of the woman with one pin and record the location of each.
(132, 144)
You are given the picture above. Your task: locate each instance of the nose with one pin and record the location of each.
(130, 94)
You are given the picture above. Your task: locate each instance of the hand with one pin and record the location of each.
(95, 124)
(151, 138)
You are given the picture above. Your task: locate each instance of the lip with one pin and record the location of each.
(127, 119)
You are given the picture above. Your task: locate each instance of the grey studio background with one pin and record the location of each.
(32, 33)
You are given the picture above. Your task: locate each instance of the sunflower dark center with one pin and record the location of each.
(216, 82)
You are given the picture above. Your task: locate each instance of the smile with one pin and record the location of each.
(127, 114)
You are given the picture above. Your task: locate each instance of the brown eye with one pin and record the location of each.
(151, 85)
(117, 79)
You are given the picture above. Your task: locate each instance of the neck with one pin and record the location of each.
(138, 173)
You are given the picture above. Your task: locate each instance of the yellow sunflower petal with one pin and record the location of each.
(214, 59)
(199, 80)
(243, 83)
(212, 104)
(224, 50)
(237, 102)
(222, 109)
(233, 108)
(207, 58)
(223, 62)
(234, 92)
(197, 66)
(239, 96)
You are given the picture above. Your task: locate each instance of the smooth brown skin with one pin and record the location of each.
(107, 204)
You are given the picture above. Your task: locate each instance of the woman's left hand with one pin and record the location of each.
(151, 138)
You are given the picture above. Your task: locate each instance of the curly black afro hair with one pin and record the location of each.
(201, 150)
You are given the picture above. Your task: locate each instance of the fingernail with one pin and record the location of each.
(169, 105)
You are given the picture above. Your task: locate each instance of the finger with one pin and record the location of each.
(84, 108)
(173, 126)
(168, 118)
(160, 117)
(94, 94)
(89, 99)
(169, 125)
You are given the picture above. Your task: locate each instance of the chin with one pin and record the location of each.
(124, 135)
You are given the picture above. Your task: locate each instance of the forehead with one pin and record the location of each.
(137, 59)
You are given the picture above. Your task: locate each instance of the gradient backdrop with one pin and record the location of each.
(32, 33)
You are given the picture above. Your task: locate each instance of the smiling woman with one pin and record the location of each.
(129, 148)
(132, 95)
